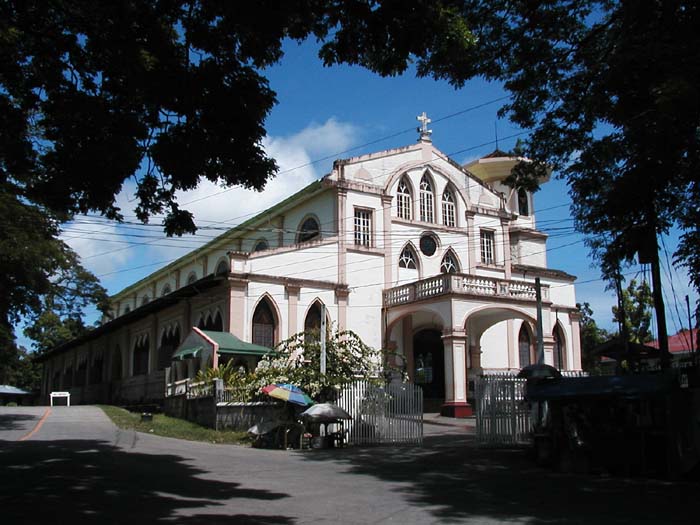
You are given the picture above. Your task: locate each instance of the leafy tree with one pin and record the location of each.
(40, 275)
(591, 336)
(18, 369)
(637, 304)
(167, 93)
(609, 91)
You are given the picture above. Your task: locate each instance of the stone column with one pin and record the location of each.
(512, 344)
(292, 308)
(237, 297)
(506, 247)
(472, 243)
(574, 318)
(341, 296)
(386, 218)
(407, 336)
(456, 404)
(342, 236)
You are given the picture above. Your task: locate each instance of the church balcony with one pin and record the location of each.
(461, 284)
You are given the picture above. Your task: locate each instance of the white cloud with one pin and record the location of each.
(211, 205)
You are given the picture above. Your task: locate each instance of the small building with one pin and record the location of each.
(414, 252)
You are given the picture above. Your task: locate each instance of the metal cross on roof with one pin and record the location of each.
(423, 129)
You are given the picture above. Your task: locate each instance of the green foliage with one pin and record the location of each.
(609, 91)
(637, 303)
(591, 336)
(18, 369)
(297, 360)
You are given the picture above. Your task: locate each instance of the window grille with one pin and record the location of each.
(407, 259)
(448, 209)
(449, 264)
(403, 200)
(363, 227)
(487, 247)
(427, 205)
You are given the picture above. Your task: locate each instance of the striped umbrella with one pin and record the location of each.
(289, 393)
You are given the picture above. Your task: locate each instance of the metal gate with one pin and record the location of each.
(502, 415)
(383, 413)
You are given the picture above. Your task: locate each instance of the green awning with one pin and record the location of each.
(188, 352)
(230, 344)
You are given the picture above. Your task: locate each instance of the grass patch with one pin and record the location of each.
(166, 426)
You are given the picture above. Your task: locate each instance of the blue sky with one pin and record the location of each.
(326, 113)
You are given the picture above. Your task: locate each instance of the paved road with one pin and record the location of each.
(79, 468)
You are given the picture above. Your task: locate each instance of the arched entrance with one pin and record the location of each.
(429, 367)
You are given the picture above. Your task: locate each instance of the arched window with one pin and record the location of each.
(192, 277)
(448, 208)
(404, 200)
(261, 245)
(117, 364)
(312, 323)
(524, 346)
(559, 350)
(168, 343)
(166, 290)
(218, 324)
(222, 268)
(140, 361)
(427, 200)
(309, 230)
(144, 300)
(127, 309)
(407, 259)
(523, 205)
(264, 325)
(449, 263)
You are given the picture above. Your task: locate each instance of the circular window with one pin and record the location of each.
(428, 245)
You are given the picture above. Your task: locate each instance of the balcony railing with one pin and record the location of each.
(470, 285)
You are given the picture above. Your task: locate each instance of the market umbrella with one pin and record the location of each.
(289, 393)
(325, 412)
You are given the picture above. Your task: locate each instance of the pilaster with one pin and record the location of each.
(505, 232)
(341, 296)
(238, 290)
(387, 244)
(292, 308)
(473, 242)
(455, 348)
(342, 236)
(575, 318)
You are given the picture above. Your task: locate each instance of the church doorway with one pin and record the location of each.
(429, 368)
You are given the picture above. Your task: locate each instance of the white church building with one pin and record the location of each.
(433, 261)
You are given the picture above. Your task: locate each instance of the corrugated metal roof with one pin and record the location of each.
(7, 389)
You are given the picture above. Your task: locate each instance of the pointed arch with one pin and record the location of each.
(312, 321)
(169, 341)
(427, 197)
(525, 345)
(166, 289)
(449, 207)
(218, 322)
(450, 262)
(404, 199)
(408, 257)
(145, 300)
(559, 350)
(523, 202)
(265, 322)
(140, 356)
(192, 277)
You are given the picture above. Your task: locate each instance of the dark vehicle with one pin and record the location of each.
(644, 424)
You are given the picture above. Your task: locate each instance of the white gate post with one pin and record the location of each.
(456, 403)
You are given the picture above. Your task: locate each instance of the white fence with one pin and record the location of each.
(383, 414)
(502, 415)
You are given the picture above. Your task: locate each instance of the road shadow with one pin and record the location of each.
(87, 481)
(13, 421)
(454, 479)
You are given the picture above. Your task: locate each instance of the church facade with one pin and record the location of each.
(433, 261)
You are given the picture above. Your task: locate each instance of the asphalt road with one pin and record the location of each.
(78, 468)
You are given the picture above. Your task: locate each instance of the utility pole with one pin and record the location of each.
(649, 253)
(540, 334)
(322, 335)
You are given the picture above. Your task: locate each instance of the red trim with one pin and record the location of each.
(457, 409)
(214, 346)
